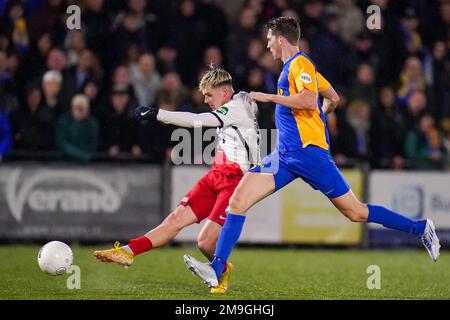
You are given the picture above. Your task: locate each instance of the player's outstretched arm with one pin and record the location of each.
(304, 100)
(181, 119)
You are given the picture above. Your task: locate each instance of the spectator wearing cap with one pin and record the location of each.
(77, 131)
(119, 133)
(51, 87)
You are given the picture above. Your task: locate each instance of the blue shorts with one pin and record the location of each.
(313, 164)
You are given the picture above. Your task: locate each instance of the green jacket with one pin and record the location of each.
(417, 151)
(77, 140)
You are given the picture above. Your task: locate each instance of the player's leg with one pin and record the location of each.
(206, 241)
(357, 211)
(207, 238)
(253, 187)
(181, 217)
(194, 207)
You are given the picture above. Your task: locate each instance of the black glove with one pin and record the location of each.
(145, 113)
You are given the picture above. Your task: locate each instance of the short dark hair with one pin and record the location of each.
(285, 26)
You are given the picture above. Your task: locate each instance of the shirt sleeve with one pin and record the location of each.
(302, 74)
(188, 119)
(322, 83)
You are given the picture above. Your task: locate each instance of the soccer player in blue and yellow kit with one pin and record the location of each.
(302, 151)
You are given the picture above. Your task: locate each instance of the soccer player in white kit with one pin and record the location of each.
(237, 150)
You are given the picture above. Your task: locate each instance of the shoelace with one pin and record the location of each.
(116, 245)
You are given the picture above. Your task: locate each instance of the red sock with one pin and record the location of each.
(140, 245)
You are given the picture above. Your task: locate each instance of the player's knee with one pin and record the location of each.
(206, 245)
(238, 203)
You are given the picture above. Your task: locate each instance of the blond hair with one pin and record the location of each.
(214, 77)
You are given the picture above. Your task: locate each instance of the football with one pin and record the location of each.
(55, 258)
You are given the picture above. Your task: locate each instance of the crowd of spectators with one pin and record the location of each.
(73, 91)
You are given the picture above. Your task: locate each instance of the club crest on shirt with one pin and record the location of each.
(222, 110)
(305, 78)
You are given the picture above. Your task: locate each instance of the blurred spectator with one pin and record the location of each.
(271, 71)
(411, 79)
(354, 138)
(119, 133)
(409, 25)
(77, 131)
(441, 25)
(311, 18)
(216, 23)
(329, 52)
(416, 106)
(48, 18)
(146, 81)
(350, 20)
(362, 51)
(364, 87)
(213, 55)
(255, 80)
(92, 91)
(128, 30)
(255, 50)
(173, 92)
(189, 34)
(167, 59)
(121, 76)
(75, 43)
(96, 25)
(423, 145)
(5, 73)
(446, 141)
(5, 134)
(33, 125)
(15, 25)
(35, 63)
(51, 87)
(437, 73)
(387, 132)
(240, 37)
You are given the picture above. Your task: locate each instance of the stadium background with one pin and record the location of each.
(391, 131)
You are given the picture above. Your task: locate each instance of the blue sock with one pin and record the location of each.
(228, 237)
(393, 220)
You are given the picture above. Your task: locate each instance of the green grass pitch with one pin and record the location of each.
(258, 274)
